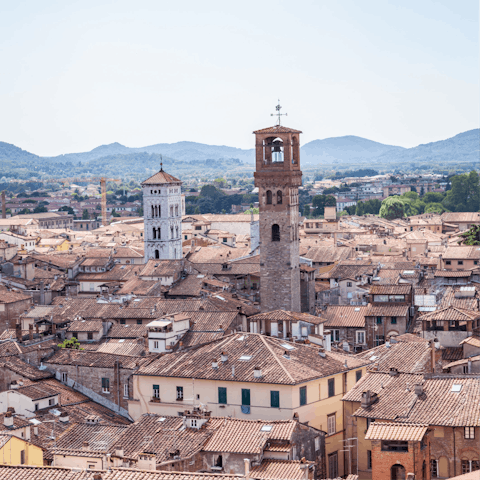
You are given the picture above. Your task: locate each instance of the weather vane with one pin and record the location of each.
(161, 163)
(278, 114)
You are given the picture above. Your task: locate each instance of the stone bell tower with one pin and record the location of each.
(278, 177)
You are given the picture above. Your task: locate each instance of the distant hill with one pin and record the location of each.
(344, 149)
(12, 153)
(187, 151)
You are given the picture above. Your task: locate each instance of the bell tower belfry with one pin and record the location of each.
(278, 177)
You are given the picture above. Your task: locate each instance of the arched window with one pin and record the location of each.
(171, 232)
(279, 197)
(154, 232)
(275, 233)
(157, 254)
(269, 197)
(176, 209)
(153, 211)
(176, 232)
(159, 233)
(159, 211)
(397, 472)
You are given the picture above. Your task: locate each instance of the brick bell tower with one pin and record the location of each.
(278, 177)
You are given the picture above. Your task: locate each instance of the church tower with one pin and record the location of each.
(278, 177)
(162, 213)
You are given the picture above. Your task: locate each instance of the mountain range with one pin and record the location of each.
(462, 148)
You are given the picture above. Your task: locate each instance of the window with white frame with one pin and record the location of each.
(155, 344)
(64, 377)
(156, 391)
(105, 385)
(331, 424)
(360, 336)
(125, 390)
(469, 433)
(179, 393)
(317, 444)
(434, 468)
(335, 334)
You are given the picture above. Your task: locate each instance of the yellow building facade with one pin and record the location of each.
(15, 451)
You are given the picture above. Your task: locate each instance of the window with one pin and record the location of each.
(156, 391)
(460, 262)
(155, 344)
(379, 320)
(393, 320)
(279, 197)
(317, 444)
(105, 385)
(275, 233)
(36, 406)
(139, 322)
(303, 396)
(335, 335)
(369, 422)
(470, 433)
(379, 340)
(274, 399)
(331, 424)
(89, 335)
(394, 446)
(349, 284)
(269, 197)
(125, 390)
(157, 254)
(22, 457)
(369, 459)
(179, 393)
(122, 321)
(470, 466)
(51, 401)
(358, 375)
(475, 262)
(448, 262)
(222, 395)
(331, 387)
(224, 239)
(434, 468)
(198, 228)
(245, 400)
(360, 336)
(64, 377)
(333, 465)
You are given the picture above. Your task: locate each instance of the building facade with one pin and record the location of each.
(162, 210)
(278, 177)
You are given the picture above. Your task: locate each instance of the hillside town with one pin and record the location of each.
(241, 346)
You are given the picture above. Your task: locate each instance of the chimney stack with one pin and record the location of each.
(64, 417)
(8, 420)
(18, 331)
(418, 390)
(119, 451)
(257, 372)
(30, 331)
(85, 446)
(246, 461)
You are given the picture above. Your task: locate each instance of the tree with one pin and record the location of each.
(85, 214)
(253, 210)
(114, 214)
(360, 210)
(318, 203)
(40, 209)
(433, 197)
(464, 195)
(471, 236)
(392, 207)
(351, 209)
(306, 211)
(72, 343)
(67, 209)
(434, 207)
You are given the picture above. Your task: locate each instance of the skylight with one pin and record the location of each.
(357, 309)
(245, 358)
(35, 421)
(241, 339)
(456, 388)
(55, 412)
(266, 428)
(287, 346)
(121, 340)
(373, 358)
(161, 419)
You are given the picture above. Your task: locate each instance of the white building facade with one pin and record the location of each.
(162, 213)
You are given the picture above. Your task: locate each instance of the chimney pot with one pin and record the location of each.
(418, 390)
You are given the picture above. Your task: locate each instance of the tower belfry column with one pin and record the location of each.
(278, 176)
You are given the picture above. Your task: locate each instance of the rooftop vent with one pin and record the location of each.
(368, 399)
(257, 372)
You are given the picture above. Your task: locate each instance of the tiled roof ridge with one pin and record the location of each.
(276, 358)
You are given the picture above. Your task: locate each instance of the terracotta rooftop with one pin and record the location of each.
(451, 314)
(85, 326)
(403, 289)
(277, 129)
(344, 315)
(280, 469)
(160, 178)
(396, 431)
(280, 315)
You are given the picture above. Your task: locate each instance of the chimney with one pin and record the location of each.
(321, 352)
(14, 385)
(224, 357)
(35, 430)
(54, 328)
(30, 331)
(18, 331)
(63, 417)
(8, 420)
(85, 446)
(246, 461)
(214, 363)
(97, 476)
(119, 451)
(469, 366)
(393, 372)
(418, 390)
(257, 372)
(146, 461)
(233, 370)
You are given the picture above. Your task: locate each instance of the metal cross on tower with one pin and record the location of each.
(278, 114)
(161, 163)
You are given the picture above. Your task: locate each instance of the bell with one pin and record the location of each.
(277, 144)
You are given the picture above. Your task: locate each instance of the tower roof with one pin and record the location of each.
(161, 177)
(277, 129)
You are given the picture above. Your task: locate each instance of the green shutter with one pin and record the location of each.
(331, 387)
(222, 395)
(303, 395)
(245, 396)
(105, 383)
(275, 399)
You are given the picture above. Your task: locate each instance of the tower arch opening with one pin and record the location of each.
(269, 197)
(275, 232)
(279, 197)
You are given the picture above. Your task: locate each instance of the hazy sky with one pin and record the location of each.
(78, 74)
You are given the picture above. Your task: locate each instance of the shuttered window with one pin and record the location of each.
(331, 387)
(222, 395)
(275, 399)
(105, 385)
(303, 396)
(245, 396)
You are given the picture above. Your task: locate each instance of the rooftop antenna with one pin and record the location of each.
(161, 163)
(278, 114)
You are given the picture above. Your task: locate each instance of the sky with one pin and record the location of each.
(78, 74)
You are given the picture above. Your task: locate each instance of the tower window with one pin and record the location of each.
(157, 254)
(275, 233)
(154, 232)
(279, 197)
(269, 197)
